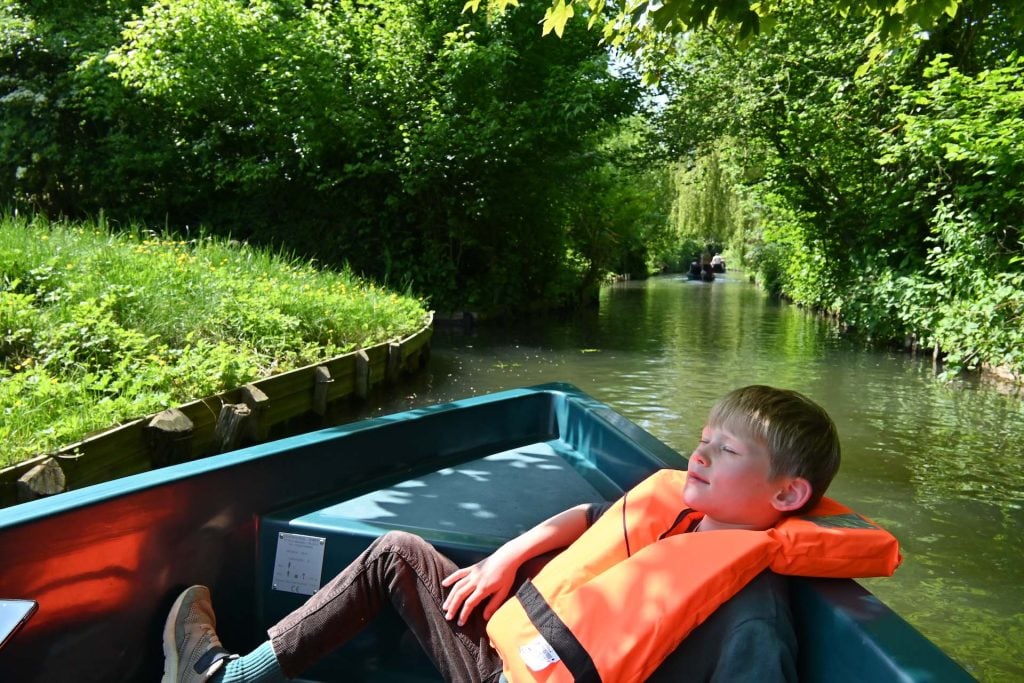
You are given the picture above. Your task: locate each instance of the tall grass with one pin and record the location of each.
(98, 327)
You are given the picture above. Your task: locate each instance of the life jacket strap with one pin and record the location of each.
(557, 634)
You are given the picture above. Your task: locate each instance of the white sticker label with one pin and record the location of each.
(538, 654)
(298, 563)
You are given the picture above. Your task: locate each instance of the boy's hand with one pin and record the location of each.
(489, 579)
(492, 578)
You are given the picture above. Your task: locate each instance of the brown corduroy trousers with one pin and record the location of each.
(401, 570)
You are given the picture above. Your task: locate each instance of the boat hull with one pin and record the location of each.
(106, 562)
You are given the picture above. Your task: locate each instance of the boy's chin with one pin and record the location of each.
(692, 499)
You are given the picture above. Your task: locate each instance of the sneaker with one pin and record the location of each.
(192, 650)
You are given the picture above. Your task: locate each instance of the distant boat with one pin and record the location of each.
(698, 272)
(105, 562)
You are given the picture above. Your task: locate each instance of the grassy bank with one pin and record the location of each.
(97, 327)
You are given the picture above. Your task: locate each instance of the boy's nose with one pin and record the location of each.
(700, 456)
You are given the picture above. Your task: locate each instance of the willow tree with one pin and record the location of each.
(706, 207)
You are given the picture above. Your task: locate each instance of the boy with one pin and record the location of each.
(764, 454)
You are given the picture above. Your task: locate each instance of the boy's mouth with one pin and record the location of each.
(697, 477)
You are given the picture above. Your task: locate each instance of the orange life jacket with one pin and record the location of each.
(618, 601)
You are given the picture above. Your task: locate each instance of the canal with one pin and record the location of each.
(941, 465)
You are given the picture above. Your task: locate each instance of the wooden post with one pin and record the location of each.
(256, 426)
(394, 367)
(169, 436)
(45, 479)
(322, 380)
(231, 424)
(362, 387)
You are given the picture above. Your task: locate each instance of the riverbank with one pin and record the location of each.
(98, 327)
(948, 362)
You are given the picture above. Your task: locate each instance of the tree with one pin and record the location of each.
(616, 209)
(55, 128)
(706, 206)
(420, 145)
(886, 199)
(649, 29)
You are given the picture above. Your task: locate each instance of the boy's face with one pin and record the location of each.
(729, 482)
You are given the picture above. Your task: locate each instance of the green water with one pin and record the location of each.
(942, 466)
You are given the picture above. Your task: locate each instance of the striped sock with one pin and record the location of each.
(259, 666)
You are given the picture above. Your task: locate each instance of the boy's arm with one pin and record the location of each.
(491, 579)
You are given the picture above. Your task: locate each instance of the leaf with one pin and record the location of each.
(471, 6)
(751, 25)
(650, 79)
(667, 13)
(556, 17)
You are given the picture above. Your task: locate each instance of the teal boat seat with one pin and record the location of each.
(454, 508)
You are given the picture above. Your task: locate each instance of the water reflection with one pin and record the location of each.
(940, 465)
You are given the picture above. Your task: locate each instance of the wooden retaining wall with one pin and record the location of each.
(218, 423)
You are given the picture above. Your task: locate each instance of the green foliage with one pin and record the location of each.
(461, 156)
(416, 144)
(18, 322)
(55, 109)
(253, 91)
(649, 29)
(97, 328)
(617, 211)
(889, 198)
(961, 142)
(706, 202)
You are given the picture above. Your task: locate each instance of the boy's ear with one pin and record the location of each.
(793, 493)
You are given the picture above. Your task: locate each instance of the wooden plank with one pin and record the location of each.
(123, 450)
(115, 453)
(343, 386)
(362, 383)
(45, 479)
(231, 425)
(322, 380)
(284, 408)
(258, 402)
(9, 475)
(204, 414)
(378, 371)
(343, 371)
(169, 437)
(298, 381)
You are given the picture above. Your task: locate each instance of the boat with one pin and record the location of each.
(263, 526)
(704, 273)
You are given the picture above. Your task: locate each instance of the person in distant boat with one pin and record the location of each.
(765, 455)
(718, 263)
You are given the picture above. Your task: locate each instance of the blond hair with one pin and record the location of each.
(801, 438)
